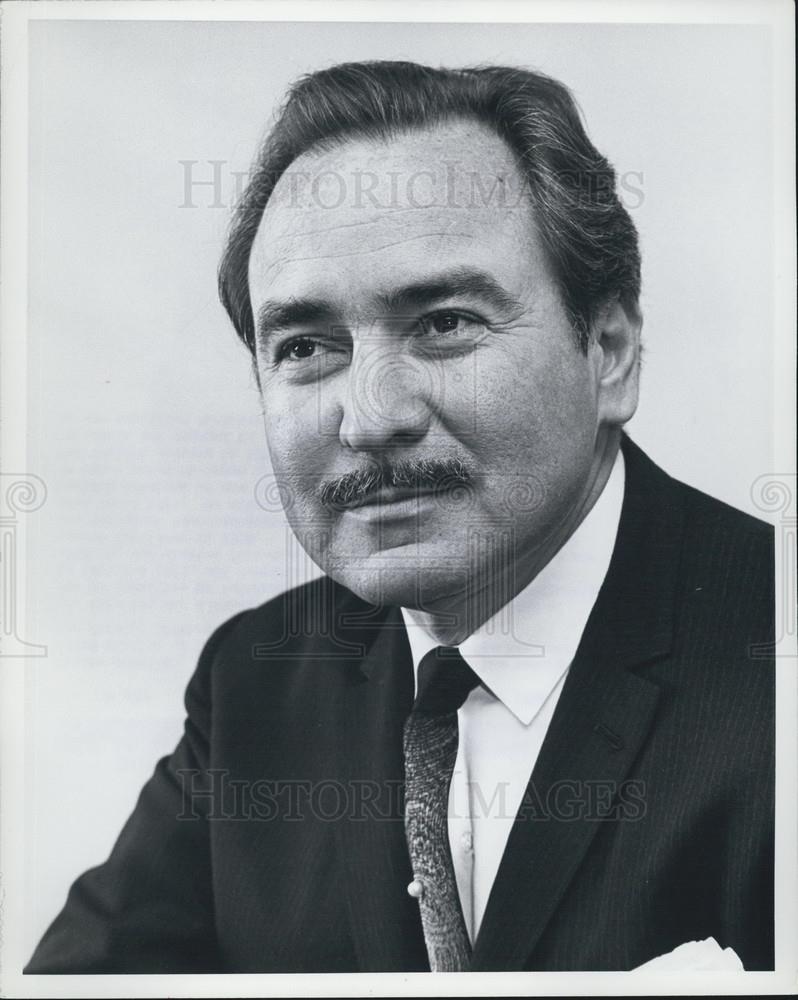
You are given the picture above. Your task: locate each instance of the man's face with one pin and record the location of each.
(429, 416)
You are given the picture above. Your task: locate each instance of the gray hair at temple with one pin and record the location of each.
(588, 234)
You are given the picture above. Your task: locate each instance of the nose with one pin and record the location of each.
(389, 395)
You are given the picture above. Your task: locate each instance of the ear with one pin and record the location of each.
(616, 340)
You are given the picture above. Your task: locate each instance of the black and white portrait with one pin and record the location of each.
(399, 517)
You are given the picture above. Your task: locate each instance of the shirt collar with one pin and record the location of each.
(525, 648)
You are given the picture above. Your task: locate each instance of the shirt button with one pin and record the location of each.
(467, 841)
(416, 889)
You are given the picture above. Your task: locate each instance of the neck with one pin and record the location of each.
(452, 619)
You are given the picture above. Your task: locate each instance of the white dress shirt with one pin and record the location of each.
(521, 655)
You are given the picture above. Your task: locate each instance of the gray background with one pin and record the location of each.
(143, 418)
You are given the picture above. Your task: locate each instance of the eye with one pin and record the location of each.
(445, 322)
(297, 349)
(307, 357)
(451, 322)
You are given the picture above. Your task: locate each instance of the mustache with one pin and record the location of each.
(422, 473)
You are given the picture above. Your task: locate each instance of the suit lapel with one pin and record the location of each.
(377, 698)
(600, 724)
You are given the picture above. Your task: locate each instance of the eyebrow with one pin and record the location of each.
(275, 316)
(460, 282)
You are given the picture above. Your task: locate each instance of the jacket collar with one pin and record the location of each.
(602, 718)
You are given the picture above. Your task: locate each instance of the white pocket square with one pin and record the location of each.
(695, 956)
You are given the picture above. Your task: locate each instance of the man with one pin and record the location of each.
(525, 720)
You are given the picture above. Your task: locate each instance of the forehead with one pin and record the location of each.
(368, 213)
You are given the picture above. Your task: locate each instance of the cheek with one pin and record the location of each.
(534, 433)
(278, 435)
(513, 404)
(291, 448)
(302, 455)
(302, 419)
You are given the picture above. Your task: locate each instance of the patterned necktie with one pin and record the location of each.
(430, 744)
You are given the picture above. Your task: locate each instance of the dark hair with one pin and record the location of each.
(588, 234)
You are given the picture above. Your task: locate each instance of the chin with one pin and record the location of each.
(408, 586)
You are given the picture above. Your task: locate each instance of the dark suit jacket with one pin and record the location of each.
(649, 819)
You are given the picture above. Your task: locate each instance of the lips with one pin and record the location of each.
(389, 495)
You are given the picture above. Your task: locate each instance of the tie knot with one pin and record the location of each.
(444, 681)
